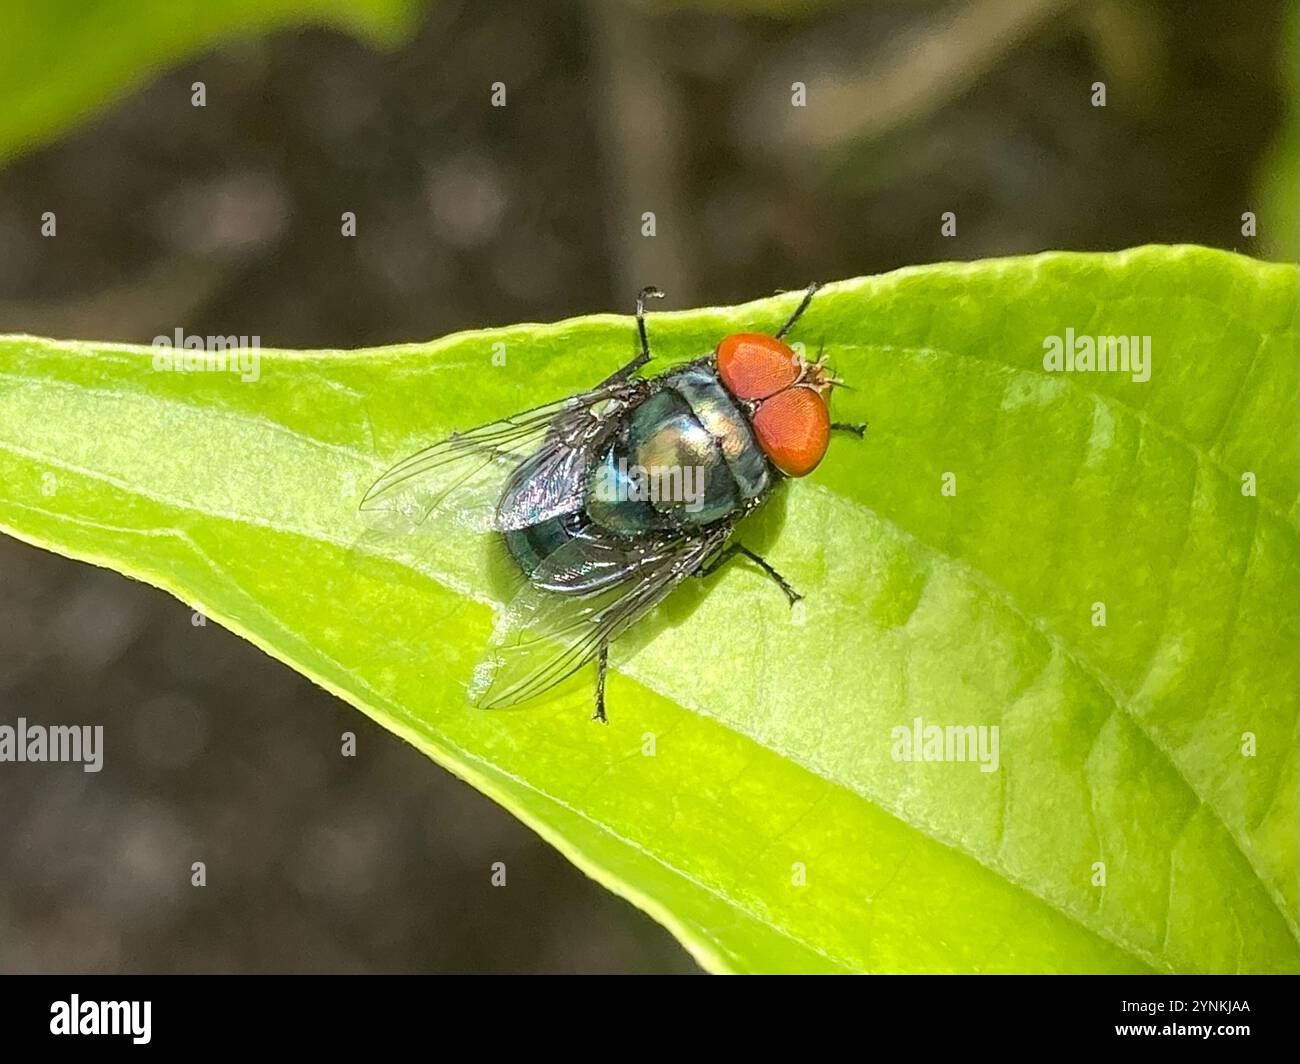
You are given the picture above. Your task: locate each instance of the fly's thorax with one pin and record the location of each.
(727, 423)
(683, 458)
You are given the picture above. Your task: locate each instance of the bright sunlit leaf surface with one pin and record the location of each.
(748, 791)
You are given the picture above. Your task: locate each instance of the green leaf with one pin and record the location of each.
(773, 741)
(62, 59)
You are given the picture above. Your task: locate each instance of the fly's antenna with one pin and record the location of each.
(820, 377)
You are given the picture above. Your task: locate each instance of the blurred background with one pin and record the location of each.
(225, 219)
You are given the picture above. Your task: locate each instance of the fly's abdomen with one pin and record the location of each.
(532, 545)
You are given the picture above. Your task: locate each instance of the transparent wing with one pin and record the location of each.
(545, 451)
(587, 593)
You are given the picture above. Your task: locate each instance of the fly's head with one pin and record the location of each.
(785, 395)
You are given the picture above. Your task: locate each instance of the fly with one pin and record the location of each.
(614, 496)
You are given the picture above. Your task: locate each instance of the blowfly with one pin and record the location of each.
(608, 499)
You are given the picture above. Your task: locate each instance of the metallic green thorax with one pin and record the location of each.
(688, 438)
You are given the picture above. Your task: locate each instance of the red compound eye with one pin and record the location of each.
(794, 429)
(754, 366)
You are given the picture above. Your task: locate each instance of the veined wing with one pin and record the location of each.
(544, 451)
(585, 594)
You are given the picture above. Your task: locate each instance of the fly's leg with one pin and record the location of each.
(798, 311)
(727, 553)
(858, 428)
(649, 292)
(602, 666)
